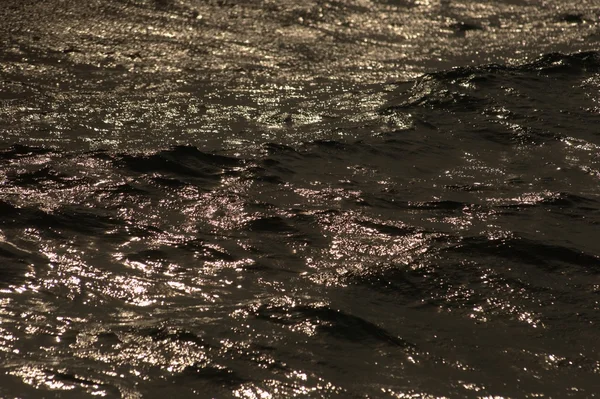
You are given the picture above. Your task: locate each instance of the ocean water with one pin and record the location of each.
(281, 199)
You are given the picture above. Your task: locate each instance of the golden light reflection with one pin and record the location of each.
(277, 389)
(410, 394)
(358, 249)
(40, 378)
(124, 245)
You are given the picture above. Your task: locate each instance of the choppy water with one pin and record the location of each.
(274, 199)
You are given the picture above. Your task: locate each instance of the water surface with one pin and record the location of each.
(267, 199)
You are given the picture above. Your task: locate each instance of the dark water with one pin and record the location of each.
(276, 199)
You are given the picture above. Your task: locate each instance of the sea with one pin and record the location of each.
(268, 199)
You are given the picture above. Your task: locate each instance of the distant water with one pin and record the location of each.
(265, 199)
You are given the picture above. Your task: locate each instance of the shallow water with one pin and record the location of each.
(264, 199)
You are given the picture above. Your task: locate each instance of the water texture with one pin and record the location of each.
(276, 199)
